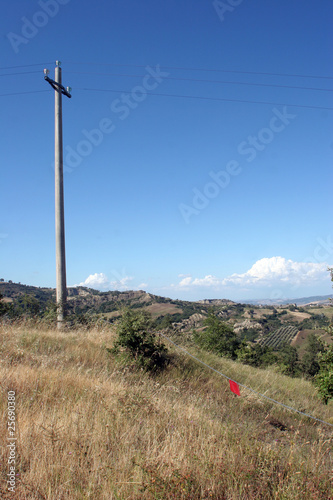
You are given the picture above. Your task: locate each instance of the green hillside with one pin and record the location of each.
(252, 323)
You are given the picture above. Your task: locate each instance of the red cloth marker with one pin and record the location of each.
(234, 387)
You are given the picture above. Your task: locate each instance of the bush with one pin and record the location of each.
(249, 334)
(164, 322)
(218, 337)
(256, 355)
(310, 362)
(324, 378)
(288, 361)
(4, 308)
(135, 336)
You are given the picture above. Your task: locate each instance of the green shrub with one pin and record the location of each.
(164, 322)
(135, 336)
(4, 307)
(217, 337)
(256, 355)
(288, 361)
(310, 362)
(324, 378)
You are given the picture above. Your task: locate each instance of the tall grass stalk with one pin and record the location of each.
(92, 427)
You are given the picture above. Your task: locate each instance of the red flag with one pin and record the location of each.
(234, 387)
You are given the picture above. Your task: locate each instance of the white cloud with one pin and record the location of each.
(269, 271)
(100, 281)
(121, 283)
(142, 286)
(97, 280)
(275, 273)
(209, 281)
(186, 281)
(279, 269)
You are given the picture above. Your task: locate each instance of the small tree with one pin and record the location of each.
(310, 362)
(256, 355)
(218, 337)
(30, 305)
(136, 337)
(248, 354)
(324, 378)
(166, 322)
(4, 308)
(288, 360)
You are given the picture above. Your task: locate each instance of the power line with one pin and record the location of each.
(206, 69)
(206, 81)
(213, 70)
(28, 92)
(21, 73)
(26, 65)
(245, 387)
(220, 99)
(210, 98)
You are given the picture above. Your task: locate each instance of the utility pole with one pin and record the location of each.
(61, 294)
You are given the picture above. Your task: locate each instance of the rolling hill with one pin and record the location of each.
(251, 322)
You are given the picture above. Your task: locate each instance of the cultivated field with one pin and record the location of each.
(92, 427)
(283, 335)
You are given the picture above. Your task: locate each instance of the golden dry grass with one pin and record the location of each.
(160, 309)
(296, 316)
(91, 427)
(327, 310)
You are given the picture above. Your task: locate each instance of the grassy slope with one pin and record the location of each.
(92, 428)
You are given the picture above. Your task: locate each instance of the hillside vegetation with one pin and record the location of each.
(94, 426)
(252, 323)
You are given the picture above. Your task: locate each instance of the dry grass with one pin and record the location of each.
(90, 427)
(301, 339)
(160, 309)
(296, 316)
(258, 313)
(327, 310)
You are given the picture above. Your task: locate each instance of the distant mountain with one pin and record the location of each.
(81, 300)
(315, 299)
(90, 298)
(216, 302)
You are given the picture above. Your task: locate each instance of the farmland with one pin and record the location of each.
(283, 335)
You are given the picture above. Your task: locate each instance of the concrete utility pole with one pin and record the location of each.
(59, 195)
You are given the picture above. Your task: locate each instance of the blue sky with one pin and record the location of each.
(221, 192)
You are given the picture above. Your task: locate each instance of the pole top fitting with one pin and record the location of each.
(58, 63)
